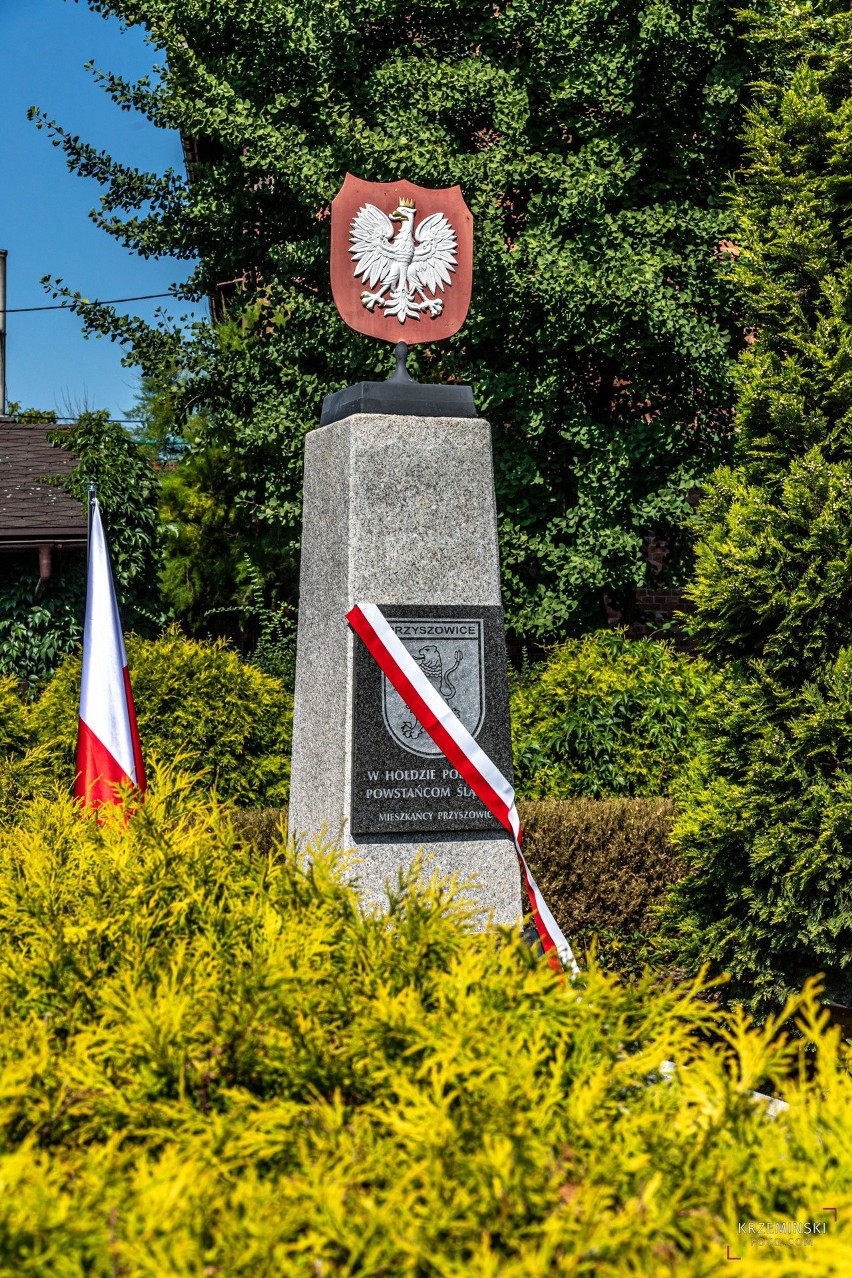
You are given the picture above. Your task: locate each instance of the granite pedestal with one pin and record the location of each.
(397, 510)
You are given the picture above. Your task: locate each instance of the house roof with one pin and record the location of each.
(32, 513)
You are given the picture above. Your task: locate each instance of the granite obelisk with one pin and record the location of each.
(399, 510)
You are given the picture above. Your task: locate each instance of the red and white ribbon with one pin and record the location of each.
(469, 759)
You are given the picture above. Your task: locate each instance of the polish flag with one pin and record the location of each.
(108, 749)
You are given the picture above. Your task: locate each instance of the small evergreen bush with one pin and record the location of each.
(194, 700)
(606, 716)
(214, 1063)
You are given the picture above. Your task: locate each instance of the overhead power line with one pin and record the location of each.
(109, 301)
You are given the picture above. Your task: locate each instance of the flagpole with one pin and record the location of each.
(92, 500)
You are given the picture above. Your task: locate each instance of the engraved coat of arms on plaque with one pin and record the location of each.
(451, 655)
(401, 259)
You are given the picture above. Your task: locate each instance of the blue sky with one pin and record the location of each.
(44, 220)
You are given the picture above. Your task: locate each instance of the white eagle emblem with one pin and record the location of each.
(406, 266)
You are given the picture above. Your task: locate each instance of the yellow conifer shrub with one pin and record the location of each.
(213, 1062)
(14, 734)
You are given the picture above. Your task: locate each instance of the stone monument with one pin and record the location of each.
(399, 511)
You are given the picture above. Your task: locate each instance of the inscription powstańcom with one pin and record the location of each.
(400, 780)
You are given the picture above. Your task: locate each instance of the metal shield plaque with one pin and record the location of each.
(401, 259)
(401, 781)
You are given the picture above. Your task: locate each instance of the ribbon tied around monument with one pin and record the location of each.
(452, 738)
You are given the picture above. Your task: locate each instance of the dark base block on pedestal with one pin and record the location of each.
(399, 399)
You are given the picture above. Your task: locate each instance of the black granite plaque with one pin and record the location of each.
(401, 782)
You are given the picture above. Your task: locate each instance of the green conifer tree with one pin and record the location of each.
(766, 819)
(591, 142)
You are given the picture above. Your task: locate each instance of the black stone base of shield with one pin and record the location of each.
(402, 785)
(398, 399)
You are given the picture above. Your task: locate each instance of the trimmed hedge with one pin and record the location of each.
(606, 716)
(214, 1063)
(262, 828)
(604, 865)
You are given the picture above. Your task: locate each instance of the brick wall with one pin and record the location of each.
(654, 605)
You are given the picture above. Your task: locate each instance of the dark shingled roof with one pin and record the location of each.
(32, 513)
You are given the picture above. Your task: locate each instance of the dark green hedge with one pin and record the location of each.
(603, 866)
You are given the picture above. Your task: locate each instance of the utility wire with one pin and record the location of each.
(110, 301)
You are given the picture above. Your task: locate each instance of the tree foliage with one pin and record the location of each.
(38, 628)
(766, 816)
(36, 633)
(590, 142)
(127, 488)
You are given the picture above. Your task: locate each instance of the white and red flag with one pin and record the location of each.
(108, 749)
(470, 760)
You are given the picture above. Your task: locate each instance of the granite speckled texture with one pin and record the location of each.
(395, 509)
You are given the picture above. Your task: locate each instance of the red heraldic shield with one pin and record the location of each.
(401, 259)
